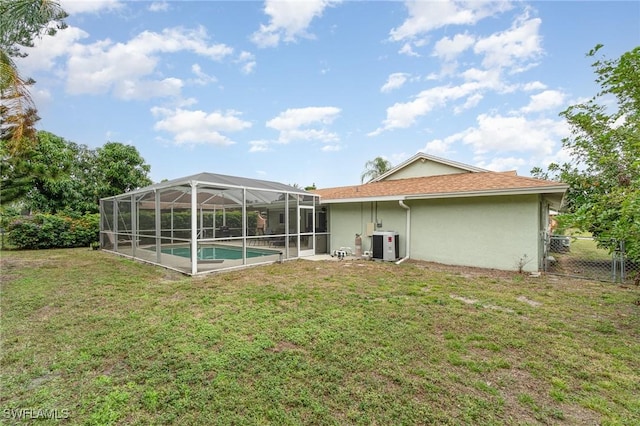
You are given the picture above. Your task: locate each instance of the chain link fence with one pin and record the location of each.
(581, 257)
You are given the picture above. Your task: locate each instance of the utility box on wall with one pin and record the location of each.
(386, 245)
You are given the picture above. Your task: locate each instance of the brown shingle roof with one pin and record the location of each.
(433, 186)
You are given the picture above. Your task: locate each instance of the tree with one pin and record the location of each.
(374, 168)
(604, 174)
(56, 175)
(119, 168)
(50, 176)
(21, 22)
(65, 181)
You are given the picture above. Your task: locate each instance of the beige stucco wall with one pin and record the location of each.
(424, 168)
(347, 220)
(489, 232)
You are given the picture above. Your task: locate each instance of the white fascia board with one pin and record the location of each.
(489, 192)
(361, 199)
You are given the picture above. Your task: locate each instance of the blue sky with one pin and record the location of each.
(308, 91)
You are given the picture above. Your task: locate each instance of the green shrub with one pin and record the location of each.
(43, 231)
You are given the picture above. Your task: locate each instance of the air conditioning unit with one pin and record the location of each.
(386, 245)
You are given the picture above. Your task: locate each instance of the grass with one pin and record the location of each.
(99, 340)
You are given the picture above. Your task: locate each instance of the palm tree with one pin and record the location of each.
(374, 168)
(21, 22)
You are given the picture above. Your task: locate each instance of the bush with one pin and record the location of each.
(43, 231)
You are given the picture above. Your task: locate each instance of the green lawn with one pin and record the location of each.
(98, 339)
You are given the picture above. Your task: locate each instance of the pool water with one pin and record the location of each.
(216, 252)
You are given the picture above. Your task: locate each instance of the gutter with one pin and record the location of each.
(556, 189)
(407, 250)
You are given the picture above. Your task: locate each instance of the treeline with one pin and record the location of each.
(51, 189)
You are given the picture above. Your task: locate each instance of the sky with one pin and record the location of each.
(306, 92)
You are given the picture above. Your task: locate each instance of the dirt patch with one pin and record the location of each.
(470, 301)
(169, 275)
(467, 272)
(528, 301)
(466, 300)
(43, 314)
(515, 383)
(284, 345)
(41, 380)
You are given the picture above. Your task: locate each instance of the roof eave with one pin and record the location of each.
(360, 199)
(459, 194)
(490, 192)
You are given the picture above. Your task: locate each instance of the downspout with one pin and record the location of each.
(407, 250)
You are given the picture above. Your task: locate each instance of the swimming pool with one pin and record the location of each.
(218, 252)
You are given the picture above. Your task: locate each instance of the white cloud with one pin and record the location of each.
(471, 102)
(248, 68)
(403, 115)
(514, 48)
(302, 124)
(449, 48)
(75, 7)
(502, 164)
(147, 89)
(441, 147)
(48, 49)
(395, 81)
(259, 146)
(185, 102)
(536, 140)
(425, 16)
(159, 6)
(559, 157)
(41, 97)
(202, 78)
(489, 78)
(509, 51)
(247, 62)
(437, 147)
(407, 49)
(549, 99)
(106, 66)
(331, 148)
(497, 133)
(198, 127)
(289, 20)
(534, 85)
(125, 69)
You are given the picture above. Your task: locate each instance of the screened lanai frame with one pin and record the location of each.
(210, 222)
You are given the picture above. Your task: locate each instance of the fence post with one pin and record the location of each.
(618, 262)
(623, 257)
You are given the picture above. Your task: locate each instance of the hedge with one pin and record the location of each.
(42, 231)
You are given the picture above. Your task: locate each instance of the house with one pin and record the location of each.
(448, 212)
(441, 210)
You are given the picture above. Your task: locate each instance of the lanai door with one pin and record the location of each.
(306, 218)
